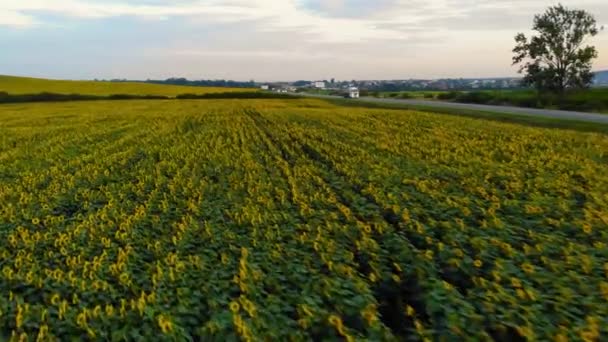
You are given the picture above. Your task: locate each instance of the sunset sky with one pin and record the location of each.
(270, 39)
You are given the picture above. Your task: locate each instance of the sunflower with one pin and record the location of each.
(164, 324)
(528, 268)
(109, 310)
(234, 307)
(81, 319)
(55, 299)
(516, 282)
(587, 228)
(334, 320)
(410, 311)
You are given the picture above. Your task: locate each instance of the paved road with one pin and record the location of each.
(545, 113)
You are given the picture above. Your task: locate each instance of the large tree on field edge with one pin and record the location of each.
(557, 57)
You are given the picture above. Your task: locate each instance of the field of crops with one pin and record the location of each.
(297, 220)
(26, 85)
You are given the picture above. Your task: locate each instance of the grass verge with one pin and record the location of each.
(502, 117)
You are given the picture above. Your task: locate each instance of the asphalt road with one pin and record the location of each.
(545, 113)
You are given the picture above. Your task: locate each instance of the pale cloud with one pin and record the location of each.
(98, 9)
(15, 19)
(391, 20)
(311, 38)
(272, 15)
(282, 54)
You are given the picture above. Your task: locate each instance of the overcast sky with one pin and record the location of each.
(270, 39)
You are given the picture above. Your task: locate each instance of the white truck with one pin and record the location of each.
(353, 93)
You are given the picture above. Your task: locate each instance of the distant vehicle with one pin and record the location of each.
(353, 93)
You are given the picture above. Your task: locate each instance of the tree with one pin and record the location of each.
(301, 83)
(558, 58)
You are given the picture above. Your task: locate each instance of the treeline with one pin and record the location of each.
(198, 83)
(54, 97)
(583, 100)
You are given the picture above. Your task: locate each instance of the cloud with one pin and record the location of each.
(273, 38)
(327, 20)
(272, 15)
(345, 8)
(15, 19)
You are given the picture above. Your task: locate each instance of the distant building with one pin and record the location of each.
(265, 87)
(319, 85)
(441, 85)
(353, 92)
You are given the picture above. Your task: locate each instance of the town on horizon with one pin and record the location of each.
(412, 84)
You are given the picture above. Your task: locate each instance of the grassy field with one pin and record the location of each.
(322, 91)
(25, 85)
(408, 94)
(592, 100)
(297, 219)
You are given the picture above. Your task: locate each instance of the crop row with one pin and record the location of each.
(268, 219)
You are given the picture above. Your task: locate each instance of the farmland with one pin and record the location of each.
(297, 219)
(25, 85)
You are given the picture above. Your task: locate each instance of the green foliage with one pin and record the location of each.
(557, 58)
(407, 94)
(451, 95)
(588, 100)
(52, 97)
(296, 220)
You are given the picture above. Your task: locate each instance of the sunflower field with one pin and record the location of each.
(297, 220)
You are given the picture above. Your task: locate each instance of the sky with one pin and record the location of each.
(270, 40)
